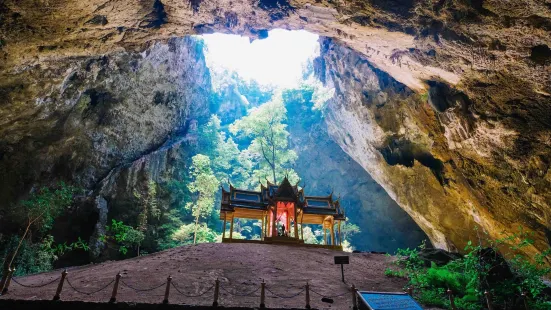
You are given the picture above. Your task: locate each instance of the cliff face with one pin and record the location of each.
(325, 168)
(446, 104)
(440, 156)
(107, 124)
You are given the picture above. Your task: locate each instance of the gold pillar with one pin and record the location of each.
(266, 225)
(224, 227)
(262, 228)
(296, 224)
(302, 225)
(332, 232)
(288, 224)
(274, 218)
(231, 228)
(340, 234)
(324, 233)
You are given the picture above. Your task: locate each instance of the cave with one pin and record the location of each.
(427, 129)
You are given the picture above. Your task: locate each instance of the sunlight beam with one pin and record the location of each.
(276, 61)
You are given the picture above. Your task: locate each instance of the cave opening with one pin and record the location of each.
(274, 78)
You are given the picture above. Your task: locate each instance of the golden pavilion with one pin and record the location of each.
(283, 211)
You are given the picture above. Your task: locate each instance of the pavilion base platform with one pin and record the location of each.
(284, 241)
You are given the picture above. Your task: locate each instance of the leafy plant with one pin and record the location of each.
(148, 202)
(42, 208)
(204, 186)
(123, 235)
(269, 148)
(189, 234)
(468, 277)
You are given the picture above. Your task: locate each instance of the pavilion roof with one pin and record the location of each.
(260, 200)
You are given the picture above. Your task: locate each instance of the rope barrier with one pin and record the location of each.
(241, 295)
(285, 297)
(191, 296)
(334, 296)
(143, 290)
(35, 286)
(89, 293)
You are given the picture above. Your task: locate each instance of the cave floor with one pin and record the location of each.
(239, 267)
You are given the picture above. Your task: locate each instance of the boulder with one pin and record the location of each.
(438, 256)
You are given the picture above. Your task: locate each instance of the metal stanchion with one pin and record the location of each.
(452, 299)
(489, 300)
(262, 295)
(216, 292)
(115, 288)
(354, 298)
(410, 291)
(307, 295)
(525, 300)
(60, 285)
(167, 290)
(8, 281)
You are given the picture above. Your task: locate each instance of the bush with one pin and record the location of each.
(124, 236)
(479, 270)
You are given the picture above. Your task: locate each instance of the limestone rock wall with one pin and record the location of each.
(324, 168)
(406, 142)
(96, 121)
(445, 103)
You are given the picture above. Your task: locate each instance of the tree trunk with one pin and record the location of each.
(6, 267)
(195, 232)
(274, 174)
(20, 242)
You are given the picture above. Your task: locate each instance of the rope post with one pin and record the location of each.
(489, 300)
(262, 295)
(4, 279)
(8, 281)
(115, 288)
(216, 292)
(452, 300)
(307, 295)
(167, 290)
(410, 291)
(354, 300)
(60, 285)
(525, 300)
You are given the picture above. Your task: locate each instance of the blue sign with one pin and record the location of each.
(389, 301)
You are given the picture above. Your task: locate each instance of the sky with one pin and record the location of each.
(275, 61)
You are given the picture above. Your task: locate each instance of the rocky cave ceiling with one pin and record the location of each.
(447, 104)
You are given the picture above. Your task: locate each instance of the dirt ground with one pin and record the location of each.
(239, 267)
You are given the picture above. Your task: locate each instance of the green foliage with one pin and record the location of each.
(394, 273)
(34, 250)
(148, 203)
(204, 186)
(46, 204)
(32, 257)
(184, 235)
(62, 248)
(122, 235)
(268, 151)
(466, 277)
(348, 229)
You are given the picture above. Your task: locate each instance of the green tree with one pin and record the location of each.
(148, 203)
(192, 233)
(40, 211)
(309, 236)
(203, 187)
(43, 208)
(123, 236)
(269, 149)
(348, 230)
(227, 162)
